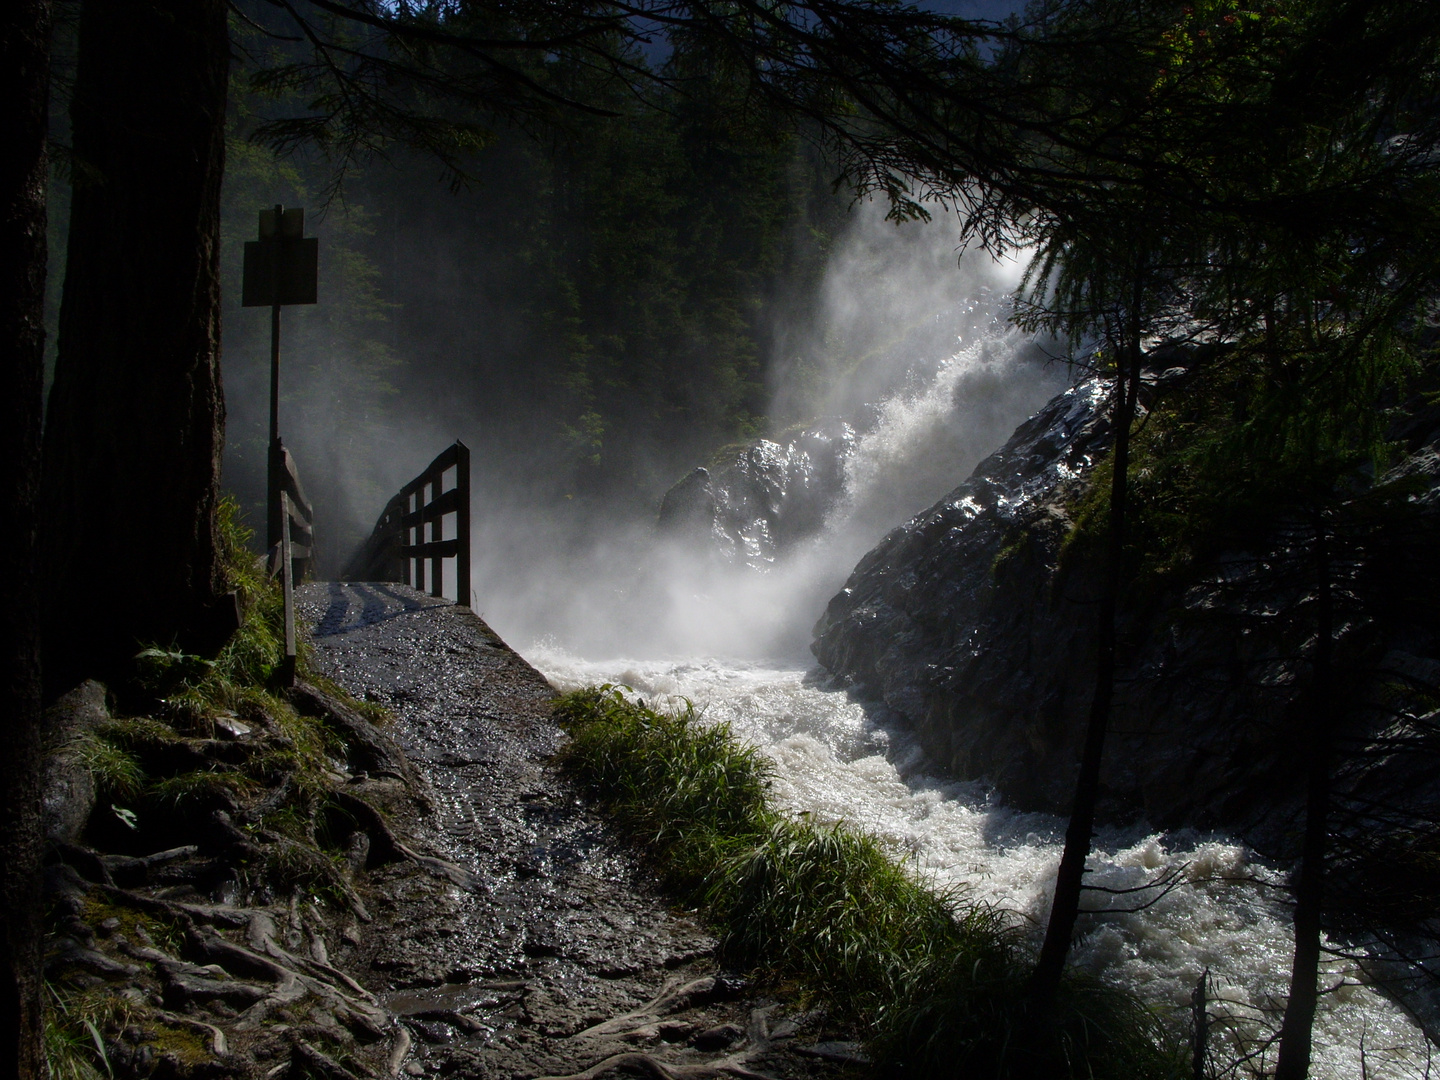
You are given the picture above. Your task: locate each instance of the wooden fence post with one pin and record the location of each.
(437, 525)
(462, 525)
(287, 578)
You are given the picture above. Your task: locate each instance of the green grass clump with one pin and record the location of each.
(935, 984)
(692, 793)
(199, 787)
(116, 771)
(957, 1018)
(829, 907)
(71, 1040)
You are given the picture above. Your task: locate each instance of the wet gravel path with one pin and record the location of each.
(553, 928)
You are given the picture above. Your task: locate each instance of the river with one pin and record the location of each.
(673, 626)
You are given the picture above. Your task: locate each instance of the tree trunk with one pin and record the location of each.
(24, 76)
(1069, 882)
(135, 421)
(1295, 1030)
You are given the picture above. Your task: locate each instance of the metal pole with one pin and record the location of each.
(273, 473)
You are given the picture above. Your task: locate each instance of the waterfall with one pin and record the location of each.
(675, 623)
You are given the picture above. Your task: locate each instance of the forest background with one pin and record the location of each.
(595, 310)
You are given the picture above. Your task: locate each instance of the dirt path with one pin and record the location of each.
(530, 943)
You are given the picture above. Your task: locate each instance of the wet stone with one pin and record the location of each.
(547, 967)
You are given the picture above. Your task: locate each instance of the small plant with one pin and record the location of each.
(689, 791)
(116, 771)
(199, 787)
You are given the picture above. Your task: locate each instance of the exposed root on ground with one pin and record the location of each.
(663, 1070)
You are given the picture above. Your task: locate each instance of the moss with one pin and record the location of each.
(134, 924)
(1014, 543)
(184, 1044)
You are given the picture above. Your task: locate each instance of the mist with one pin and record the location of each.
(914, 350)
(902, 336)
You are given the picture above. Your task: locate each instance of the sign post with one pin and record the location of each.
(282, 267)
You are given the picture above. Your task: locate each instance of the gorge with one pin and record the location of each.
(953, 675)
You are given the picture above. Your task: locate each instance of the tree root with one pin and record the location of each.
(399, 1050)
(318, 1064)
(677, 997)
(218, 1045)
(672, 999)
(661, 1070)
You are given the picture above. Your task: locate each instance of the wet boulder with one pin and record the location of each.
(974, 622)
(756, 500)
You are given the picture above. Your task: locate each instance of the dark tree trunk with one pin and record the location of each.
(24, 87)
(1295, 1030)
(1069, 882)
(135, 421)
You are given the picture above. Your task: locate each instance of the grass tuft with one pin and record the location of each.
(72, 1039)
(115, 770)
(199, 788)
(935, 984)
(692, 793)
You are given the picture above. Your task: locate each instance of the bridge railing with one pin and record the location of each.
(292, 532)
(299, 513)
(408, 537)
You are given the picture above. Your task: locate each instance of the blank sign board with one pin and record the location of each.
(281, 271)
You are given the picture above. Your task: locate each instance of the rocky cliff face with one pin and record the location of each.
(754, 502)
(974, 622)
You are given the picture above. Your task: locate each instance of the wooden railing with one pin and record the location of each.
(292, 550)
(407, 537)
(301, 515)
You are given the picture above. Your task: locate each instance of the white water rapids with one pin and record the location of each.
(1227, 916)
(734, 641)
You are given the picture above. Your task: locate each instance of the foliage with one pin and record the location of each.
(689, 792)
(165, 759)
(604, 296)
(116, 772)
(968, 1019)
(830, 907)
(933, 981)
(73, 1047)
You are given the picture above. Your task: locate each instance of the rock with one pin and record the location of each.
(927, 624)
(717, 1038)
(974, 625)
(758, 500)
(230, 726)
(689, 507)
(69, 791)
